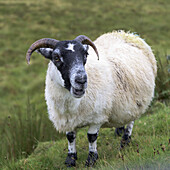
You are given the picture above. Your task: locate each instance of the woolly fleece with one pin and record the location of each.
(120, 85)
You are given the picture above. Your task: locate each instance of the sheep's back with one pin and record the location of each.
(133, 69)
(120, 85)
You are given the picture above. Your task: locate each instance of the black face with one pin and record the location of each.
(70, 58)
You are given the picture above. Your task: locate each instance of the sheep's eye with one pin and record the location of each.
(57, 59)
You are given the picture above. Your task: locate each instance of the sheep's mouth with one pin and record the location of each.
(77, 92)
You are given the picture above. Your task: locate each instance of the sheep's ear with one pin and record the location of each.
(46, 52)
(86, 47)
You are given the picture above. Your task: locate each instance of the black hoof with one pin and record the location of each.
(119, 131)
(125, 141)
(71, 159)
(92, 157)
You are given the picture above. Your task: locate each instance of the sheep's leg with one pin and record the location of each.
(72, 154)
(126, 138)
(119, 131)
(92, 138)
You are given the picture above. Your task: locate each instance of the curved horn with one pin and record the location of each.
(85, 40)
(42, 43)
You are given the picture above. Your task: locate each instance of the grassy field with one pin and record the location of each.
(149, 149)
(23, 116)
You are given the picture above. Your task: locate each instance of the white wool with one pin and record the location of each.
(120, 85)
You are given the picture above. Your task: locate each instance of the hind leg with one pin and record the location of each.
(126, 138)
(119, 131)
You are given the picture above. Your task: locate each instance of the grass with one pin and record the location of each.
(149, 149)
(23, 130)
(24, 121)
(163, 80)
(23, 22)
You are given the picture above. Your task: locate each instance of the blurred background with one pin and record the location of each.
(23, 114)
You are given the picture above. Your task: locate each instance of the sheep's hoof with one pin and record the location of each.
(92, 157)
(125, 141)
(119, 131)
(71, 159)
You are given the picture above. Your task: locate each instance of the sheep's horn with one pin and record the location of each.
(42, 43)
(85, 40)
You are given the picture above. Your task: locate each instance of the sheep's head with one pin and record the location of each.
(69, 57)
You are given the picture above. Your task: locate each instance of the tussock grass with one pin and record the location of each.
(149, 149)
(22, 130)
(163, 79)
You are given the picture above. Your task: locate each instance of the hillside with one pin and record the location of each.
(150, 147)
(24, 123)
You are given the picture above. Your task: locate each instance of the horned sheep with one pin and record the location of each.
(83, 91)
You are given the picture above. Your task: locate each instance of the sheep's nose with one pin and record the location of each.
(81, 78)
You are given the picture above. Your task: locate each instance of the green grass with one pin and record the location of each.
(162, 91)
(23, 22)
(23, 130)
(150, 147)
(24, 123)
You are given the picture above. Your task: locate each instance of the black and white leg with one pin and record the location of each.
(92, 138)
(126, 138)
(72, 154)
(119, 131)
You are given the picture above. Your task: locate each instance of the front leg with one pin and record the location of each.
(92, 138)
(72, 154)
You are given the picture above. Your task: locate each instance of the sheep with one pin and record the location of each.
(112, 91)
